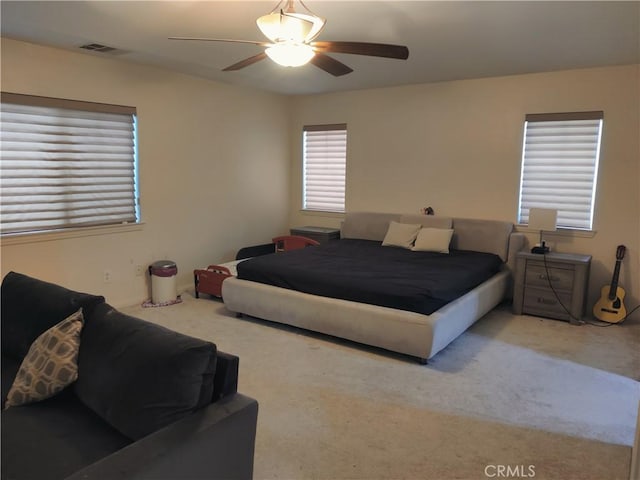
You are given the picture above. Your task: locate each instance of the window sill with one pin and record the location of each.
(561, 232)
(319, 213)
(25, 238)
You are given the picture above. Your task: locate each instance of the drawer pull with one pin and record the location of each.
(550, 277)
(546, 301)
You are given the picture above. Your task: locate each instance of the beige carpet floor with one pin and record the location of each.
(543, 398)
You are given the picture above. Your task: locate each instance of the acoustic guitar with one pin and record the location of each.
(610, 308)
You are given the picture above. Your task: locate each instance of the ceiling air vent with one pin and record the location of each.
(99, 48)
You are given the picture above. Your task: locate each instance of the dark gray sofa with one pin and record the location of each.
(148, 403)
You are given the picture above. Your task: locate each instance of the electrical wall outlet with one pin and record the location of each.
(106, 276)
(139, 270)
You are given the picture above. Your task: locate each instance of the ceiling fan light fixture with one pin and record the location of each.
(285, 24)
(292, 42)
(285, 27)
(290, 54)
(316, 22)
(278, 27)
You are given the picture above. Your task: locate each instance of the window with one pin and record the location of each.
(325, 160)
(560, 166)
(66, 164)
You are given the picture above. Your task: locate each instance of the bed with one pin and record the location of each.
(209, 280)
(419, 326)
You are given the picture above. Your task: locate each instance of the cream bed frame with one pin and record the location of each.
(409, 333)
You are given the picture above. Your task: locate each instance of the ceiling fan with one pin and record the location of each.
(292, 42)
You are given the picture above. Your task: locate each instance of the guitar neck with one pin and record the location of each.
(614, 281)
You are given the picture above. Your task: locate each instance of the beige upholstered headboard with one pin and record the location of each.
(374, 226)
(490, 236)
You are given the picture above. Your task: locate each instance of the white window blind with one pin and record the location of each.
(560, 166)
(65, 164)
(325, 161)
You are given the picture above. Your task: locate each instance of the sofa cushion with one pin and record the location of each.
(31, 306)
(9, 367)
(54, 438)
(50, 365)
(139, 376)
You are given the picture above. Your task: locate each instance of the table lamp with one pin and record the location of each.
(543, 220)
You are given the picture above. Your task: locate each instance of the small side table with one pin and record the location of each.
(552, 285)
(319, 234)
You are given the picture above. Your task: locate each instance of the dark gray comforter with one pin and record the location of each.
(364, 271)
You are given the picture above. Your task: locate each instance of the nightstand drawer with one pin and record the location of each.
(568, 274)
(542, 301)
(539, 276)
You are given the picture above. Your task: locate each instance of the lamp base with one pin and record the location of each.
(540, 249)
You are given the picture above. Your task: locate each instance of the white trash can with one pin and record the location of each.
(163, 281)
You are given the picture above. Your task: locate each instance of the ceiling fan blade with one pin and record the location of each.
(364, 48)
(330, 65)
(246, 62)
(252, 42)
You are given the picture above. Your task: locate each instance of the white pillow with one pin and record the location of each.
(400, 234)
(433, 240)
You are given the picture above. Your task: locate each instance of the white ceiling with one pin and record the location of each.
(447, 40)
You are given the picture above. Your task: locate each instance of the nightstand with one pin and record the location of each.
(567, 273)
(319, 234)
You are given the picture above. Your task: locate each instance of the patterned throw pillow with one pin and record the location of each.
(50, 365)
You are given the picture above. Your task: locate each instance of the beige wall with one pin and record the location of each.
(456, 146)
(214, 170)
(220, 165)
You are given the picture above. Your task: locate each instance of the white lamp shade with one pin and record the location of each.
(543, 219)
(278, 27)
(290, 26)
(290, 54)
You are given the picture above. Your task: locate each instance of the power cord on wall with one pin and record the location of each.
(579, 320)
